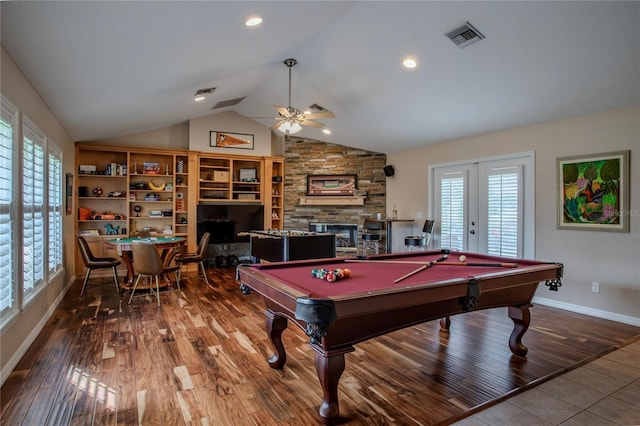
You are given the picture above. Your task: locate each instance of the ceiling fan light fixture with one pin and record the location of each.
(200, 94)
(289, 127)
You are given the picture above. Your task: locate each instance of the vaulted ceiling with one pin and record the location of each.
(107, 69)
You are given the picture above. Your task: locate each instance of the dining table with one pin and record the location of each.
(167, 245)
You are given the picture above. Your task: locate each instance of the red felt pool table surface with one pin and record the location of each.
(375, 275)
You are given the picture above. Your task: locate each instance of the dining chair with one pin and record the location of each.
(197, 257)
(421, 242)
(148, 263)
(91, 262)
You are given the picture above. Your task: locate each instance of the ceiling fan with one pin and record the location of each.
(290, 119)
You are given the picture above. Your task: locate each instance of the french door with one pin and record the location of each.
(486, 206)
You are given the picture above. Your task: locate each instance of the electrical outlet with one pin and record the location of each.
(595, 287)
(234, 246)
(224, 247)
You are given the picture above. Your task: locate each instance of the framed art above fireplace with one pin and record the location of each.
(331, 184)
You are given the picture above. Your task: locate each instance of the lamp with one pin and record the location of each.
(289, 127)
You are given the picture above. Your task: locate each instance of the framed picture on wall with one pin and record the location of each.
(593, 192)
(331, 184)
(230, 140)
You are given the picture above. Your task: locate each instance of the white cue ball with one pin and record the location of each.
(463, 258)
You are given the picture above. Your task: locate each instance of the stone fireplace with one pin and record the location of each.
(346, 235)
(305, 157)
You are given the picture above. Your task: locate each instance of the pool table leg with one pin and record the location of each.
(329, 369)
(276, 324)
(521, 318)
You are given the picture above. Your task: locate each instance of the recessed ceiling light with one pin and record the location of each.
(199, 98)
(409, 63)
(253, 21)
(326, 131)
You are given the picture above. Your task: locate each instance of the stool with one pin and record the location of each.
(371, 235)
(370, 241)
(420, 242)
(415, 242)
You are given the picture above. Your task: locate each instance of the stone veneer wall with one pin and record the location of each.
(307, 157)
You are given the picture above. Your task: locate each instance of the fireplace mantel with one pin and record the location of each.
(327, 200)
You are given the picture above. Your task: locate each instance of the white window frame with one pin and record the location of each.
(10, 114)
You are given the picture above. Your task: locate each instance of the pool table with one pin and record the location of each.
(386, 293)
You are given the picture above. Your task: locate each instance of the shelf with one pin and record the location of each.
(87, 175)
(151, 202)
(150, 217)
(102, 220)
(103, 198)
(326, 200)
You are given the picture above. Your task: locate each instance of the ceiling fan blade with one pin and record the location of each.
(321, 114)
(311, 123)
(282, 110)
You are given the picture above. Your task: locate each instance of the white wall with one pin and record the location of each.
(233, 122)
(612, 259)
(175, 137)
(17, 337)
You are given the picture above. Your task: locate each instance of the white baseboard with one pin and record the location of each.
(598, 313)
(17, 356)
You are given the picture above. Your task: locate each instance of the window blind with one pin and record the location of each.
(33, 198)
(504, 212)
(8, 118)
(54, 203)
(452, 212)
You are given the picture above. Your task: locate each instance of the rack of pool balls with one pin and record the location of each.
(331, 275)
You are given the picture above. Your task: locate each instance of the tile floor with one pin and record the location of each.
(603, 392)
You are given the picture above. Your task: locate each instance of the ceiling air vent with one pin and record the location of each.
(465, 36)
(317, 108)
(228, 103)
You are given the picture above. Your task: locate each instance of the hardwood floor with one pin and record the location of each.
(201, 359)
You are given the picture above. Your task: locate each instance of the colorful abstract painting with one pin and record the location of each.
(594, 192)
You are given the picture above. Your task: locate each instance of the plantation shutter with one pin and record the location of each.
(504, 211)
(54, 177)
(7, 254)
(452, 211)
(33, 197)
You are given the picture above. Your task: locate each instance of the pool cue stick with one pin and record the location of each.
(385, 261)
(425, 266)
(490, 265)
(494, 265)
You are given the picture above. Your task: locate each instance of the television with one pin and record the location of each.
(225, 221)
